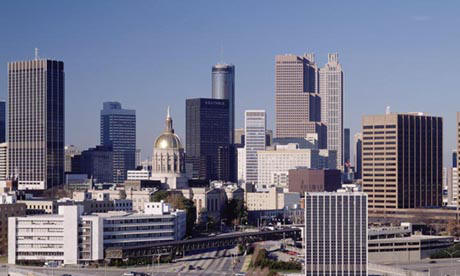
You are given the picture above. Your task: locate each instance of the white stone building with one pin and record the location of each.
(70, 237)
(168, 161)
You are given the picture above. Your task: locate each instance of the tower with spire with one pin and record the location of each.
(168, 162)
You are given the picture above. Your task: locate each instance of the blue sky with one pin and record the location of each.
(151, 54)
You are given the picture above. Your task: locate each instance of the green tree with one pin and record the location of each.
(178, 201)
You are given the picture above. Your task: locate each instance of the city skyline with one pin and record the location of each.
(147, 71)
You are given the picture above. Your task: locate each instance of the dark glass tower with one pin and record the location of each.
(2, 121)
(118, 131)
(223, 87)
(208, 146)
(346, 145)
(36, 123)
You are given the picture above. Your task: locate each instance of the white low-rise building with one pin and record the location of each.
(138, 175)
(70, 237)
(273, 199)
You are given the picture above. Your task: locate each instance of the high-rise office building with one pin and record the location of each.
(118, 131)
(223, 88)
(456, 178)
(2, 121)
(297, 104)
(402, 160)
(207, 128)
(331, 93)
(36, 123)
(69, 152)
(336, 233)
(346, 145)
(97, 164)
(255, 125)
(3, 161)
(358, 148)
(454, 158)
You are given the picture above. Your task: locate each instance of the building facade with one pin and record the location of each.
(223, 87)
(36, 123)
(4, 161)
(297, 102)
(303, 180)
(207, 128)
(346, 146)
(358, 148)
(402, 160)
(336, 234)
(70, 237)
(168, 161)
(274, 165)
(272, 199)
(2, 121)
(331, 92)
(10, 209)
(97, 163)
(69, 152)
(118, 131)
(255, 125)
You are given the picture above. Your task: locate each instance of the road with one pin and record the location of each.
(218, 262)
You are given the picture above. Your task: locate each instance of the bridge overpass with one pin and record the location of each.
(176, 248)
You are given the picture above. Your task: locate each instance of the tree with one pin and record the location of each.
(178, 201)
(159, 196)
(235, 212)
(453, 228)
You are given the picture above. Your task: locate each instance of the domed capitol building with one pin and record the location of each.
(168, 159)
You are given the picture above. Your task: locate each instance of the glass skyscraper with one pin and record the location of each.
(36, 123)
(223, 87)
(208, 146)
(118, 131)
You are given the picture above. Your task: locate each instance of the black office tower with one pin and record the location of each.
(2, 121)
(208, 148)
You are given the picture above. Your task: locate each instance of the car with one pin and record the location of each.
(199, 268)
(65, 274)
(432, 262)
(191, 267)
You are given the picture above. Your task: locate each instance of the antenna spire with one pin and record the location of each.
(36, 53)
(168, 112)
(221, 52)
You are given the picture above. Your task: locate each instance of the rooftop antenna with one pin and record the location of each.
(387, 110)
(221, 52)
(36, 53)
(169, 113)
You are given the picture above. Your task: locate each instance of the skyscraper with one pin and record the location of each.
(358, 154)
(255, 124)
(331, 93)
(336, 233)
(118, 131)
(402, 160)
(36, 123)
(223, 88)
(297, 104)
(2, 121)
(454, 158)
(346, 145)
(207, 128)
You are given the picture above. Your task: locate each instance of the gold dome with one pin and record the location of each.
(168, 140)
